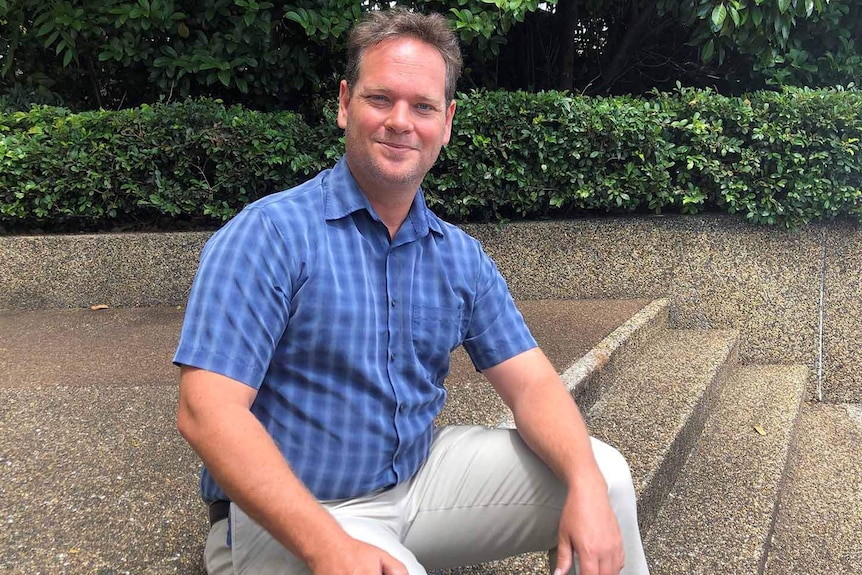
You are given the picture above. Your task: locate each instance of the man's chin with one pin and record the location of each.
(400, 173)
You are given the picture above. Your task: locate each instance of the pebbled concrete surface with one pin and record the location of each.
(719, 272)
(842, 333)
(96, 480)
(718, 516)
(94, 477)
(819, 525)
(62, 271)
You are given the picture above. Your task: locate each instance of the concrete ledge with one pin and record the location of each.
(717, 271)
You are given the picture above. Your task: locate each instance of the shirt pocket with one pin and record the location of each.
(436, 331)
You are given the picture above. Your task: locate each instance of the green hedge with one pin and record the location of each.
(195, 159)
(787, 158)
(780, 158)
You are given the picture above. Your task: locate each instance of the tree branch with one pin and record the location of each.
(639, 26)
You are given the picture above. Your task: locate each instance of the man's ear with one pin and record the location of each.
(343, 103)
(450, 113)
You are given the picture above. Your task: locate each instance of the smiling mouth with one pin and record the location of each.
(397, 147)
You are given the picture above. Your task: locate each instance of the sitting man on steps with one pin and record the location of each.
(314, 352)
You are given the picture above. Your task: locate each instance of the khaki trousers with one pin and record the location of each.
(482, 495)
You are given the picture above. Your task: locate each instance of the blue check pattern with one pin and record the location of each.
(344, 334)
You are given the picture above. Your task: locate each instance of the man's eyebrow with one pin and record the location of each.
(382, 89)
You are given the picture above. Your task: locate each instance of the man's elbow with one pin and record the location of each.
(191, 414)
(187, 423)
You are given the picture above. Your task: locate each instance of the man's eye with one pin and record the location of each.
(424, 107)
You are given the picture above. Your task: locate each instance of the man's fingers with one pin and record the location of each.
(564, 557)
(392, 566)
(610, 567)
(595, 565)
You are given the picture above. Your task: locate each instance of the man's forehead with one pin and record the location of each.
(404, 48)
(382, 64)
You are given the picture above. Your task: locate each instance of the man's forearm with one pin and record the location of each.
(550, 422)
(546, 416)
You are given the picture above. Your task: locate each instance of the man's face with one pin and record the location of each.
(396, 117)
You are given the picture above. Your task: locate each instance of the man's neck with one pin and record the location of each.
(391, 204)
(392, 210)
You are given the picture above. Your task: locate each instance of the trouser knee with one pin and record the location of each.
(615, 469)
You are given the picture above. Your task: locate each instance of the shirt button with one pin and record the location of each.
(392, 356)
(401, 408)
(393, 303)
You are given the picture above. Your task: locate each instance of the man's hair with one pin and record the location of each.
(379, 26)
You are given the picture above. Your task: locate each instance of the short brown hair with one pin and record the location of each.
(378, 26)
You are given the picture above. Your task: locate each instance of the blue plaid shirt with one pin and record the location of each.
(345, 335)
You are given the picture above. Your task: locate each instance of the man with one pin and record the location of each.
(315, 346)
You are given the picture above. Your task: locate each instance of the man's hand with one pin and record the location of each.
(589, 528)
(353, 557)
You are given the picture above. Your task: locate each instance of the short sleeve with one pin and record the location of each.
(497, 330)
(239, 303)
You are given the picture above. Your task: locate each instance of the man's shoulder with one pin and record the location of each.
(289, 215)
(296, 203)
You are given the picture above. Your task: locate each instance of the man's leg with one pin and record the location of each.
(484, 495)
(217, 554)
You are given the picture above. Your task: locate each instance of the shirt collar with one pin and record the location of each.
(342, 197)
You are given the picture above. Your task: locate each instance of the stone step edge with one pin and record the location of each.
(589, 375)
(784, 482)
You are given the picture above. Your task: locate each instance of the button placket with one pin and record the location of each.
(394, 322)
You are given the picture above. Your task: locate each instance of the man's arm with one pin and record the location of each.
(214, 417)
(550, 423)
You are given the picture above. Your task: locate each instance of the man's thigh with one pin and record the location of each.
(482, 495)
(255, 552)
(217, 558)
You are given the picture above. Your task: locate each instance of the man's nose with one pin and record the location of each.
(399, 118)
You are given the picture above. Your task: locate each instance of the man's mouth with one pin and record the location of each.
(396, 146)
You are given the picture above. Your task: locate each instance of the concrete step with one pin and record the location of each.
(656, 409)
(569, 332)
(82, 347)
(718, 516)
(602, 365)
(134, 346)
(819, 521)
